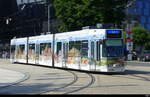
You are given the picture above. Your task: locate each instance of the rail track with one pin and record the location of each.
(76, 85)
(79, 81)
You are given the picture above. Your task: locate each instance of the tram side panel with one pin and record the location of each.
(84, 55)
(80, 55)
(59, 60)
(31, 53)
(45, 54)
(21, 51)
(73, 55)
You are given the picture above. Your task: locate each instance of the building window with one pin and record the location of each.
(140, 4)
(143, 20)
(146, 12)
(143, 25)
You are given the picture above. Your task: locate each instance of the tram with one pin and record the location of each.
(98, 50)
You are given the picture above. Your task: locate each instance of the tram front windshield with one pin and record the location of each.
(113, 48)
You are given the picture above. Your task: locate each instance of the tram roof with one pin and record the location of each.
(73, 35)
(87, 33)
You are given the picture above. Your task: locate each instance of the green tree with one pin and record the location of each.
(147, 45)
(140, 37)
(75, 14)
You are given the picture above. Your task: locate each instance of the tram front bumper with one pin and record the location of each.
(116, 68)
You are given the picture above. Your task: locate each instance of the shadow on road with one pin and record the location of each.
(133, 72)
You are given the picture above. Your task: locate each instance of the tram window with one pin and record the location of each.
(31, 46)
(21, 49)
(59, 48)
(78, 45)
(71, 48)
(32, 52)
(45, 48)
(74, 48)
(114, 42)
(98, 50)
(104, 50)
(37, 50)
(84, 48)
(77, 48)
(42, 46)
(92, 50)
(85, 44)
(65, 50)
(113, 48)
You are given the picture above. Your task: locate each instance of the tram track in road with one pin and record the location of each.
(45, 80)
(29, 78)
(75, 86)
(75, 78)
(47, 83)
(84, 87)
(68, 88)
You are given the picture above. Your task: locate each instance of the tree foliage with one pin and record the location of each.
(140, 36)
(147, 45)
(78, 13)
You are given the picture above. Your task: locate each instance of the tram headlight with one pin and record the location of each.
(115, 65)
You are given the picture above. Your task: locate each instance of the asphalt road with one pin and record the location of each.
(42, 80)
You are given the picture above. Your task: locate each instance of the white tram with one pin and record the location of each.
(99, 50)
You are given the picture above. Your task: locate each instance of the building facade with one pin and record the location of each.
(33, 18)
(139, 11)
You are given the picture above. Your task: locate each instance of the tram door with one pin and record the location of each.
(65, 54)
(98, 52)
(93, 56)
(37, 50)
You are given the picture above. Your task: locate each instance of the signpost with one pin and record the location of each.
(129, 44)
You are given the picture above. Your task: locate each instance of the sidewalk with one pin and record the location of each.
(138, 62)
(9, 77)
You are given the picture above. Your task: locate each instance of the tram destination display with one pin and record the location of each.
(114, 33)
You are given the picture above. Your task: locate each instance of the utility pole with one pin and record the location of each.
(48, 2)
(49, 6)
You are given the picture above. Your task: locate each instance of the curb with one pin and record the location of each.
(137, 62)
